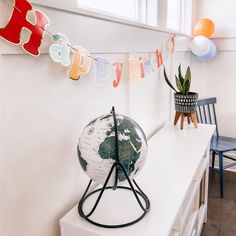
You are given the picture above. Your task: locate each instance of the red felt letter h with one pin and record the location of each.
(18, 21)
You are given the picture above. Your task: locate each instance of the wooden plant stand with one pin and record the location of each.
(190, 117)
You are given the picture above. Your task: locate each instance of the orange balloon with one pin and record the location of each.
(203, 27)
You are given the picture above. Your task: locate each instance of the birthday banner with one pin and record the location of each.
(77, 58)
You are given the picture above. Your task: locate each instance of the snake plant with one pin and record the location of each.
(182, 83)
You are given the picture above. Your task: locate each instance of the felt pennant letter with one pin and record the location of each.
(134, 69)
(118, 66)
(142, 74)
(81, 63)
(18, 21)
(147, 66)
(153, 61)
(159, 58)
(60, 52)
(171, 43)
(101, 71)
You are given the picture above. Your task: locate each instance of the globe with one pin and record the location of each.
(97, 152)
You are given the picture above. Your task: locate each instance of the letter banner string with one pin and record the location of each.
(79, 59)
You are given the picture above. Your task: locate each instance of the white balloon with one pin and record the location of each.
(200, 45)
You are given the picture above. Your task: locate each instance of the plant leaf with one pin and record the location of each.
(167, 80)
(181, 78)
(188, 75)
(179, 85)
(186, 86)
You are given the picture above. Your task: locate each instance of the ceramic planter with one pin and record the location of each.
(186, 103)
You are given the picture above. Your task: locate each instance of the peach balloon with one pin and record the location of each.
(204, 27)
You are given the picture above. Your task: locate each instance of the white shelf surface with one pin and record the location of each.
(174, 156)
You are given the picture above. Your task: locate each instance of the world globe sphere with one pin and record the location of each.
(97, 150)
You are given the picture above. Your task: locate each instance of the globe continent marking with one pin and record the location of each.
(96, 148)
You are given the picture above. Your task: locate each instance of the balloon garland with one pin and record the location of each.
(201, 46)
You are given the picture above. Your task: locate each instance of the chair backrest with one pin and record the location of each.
(206, 113)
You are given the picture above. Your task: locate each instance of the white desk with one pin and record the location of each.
(174, 178)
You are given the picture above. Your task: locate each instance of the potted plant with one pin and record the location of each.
(185, 101)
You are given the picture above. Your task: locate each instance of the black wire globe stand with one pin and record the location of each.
(133, 186)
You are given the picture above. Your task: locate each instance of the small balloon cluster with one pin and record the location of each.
(201, 45)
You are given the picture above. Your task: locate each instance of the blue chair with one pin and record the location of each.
(219, 144)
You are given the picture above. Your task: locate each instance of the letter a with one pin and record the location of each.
(18, 21)
(60, 52)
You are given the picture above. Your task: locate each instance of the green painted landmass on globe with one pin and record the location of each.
(129, 150)
(83, 163)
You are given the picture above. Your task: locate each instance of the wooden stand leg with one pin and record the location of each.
(194, 119)
(177, 116)
(188, 117)
(191, 117)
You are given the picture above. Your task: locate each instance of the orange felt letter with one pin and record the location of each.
(142, 74)
(159, 58)
(81, 63)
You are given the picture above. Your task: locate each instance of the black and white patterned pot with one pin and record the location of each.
(186, 103)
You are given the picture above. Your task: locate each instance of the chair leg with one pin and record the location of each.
(213, 160)
(221, 172)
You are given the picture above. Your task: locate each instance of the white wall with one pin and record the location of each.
(42, 113)
(217, 77)
(222, 14)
